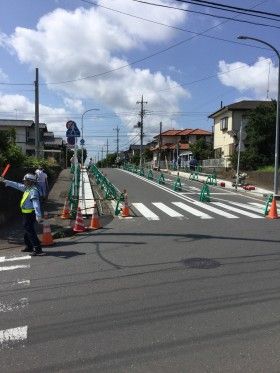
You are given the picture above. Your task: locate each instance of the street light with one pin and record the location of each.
(82, 128)
(82, 145)
(277, 111)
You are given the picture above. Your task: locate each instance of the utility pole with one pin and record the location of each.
(37, 132)
(102, 153)
(159, 146)
(107, 149)
(238, 156)
(178, 147)
(142, 113)
(118, 130)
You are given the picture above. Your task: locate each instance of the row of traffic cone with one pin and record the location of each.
(47, 238)
(79, 223)
(79, 226)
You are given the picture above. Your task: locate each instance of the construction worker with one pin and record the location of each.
(42, 180)
(31, 211)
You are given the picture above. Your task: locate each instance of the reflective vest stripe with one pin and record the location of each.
(24, 198)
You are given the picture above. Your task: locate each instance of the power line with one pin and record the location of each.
(144, 58)
(137, 61)
(208, 14)
(200, 2)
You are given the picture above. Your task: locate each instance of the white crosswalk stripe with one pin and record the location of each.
(196, 208)
(239, 211)
(13, 335)
(248, 207)
(191, 210)
(169, 211)
(17, 335)
(145, 211)
(214, 210)
(259, 205)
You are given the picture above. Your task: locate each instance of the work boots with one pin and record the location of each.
(37, 251)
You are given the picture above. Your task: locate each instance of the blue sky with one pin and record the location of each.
(75, 44)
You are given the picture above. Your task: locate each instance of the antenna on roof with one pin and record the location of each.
(221, 104)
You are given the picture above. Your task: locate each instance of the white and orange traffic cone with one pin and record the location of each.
(79, 226)
(47, 238)
(125, 208)
(95, 222)
(273, 210)
(66, 211)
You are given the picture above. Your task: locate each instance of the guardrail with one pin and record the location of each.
(73, 192)
(211, 179)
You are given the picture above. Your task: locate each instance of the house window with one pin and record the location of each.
(224, 123)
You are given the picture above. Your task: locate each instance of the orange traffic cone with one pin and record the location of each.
(273, 210)
(79, 223)
(47, 238)
(125, 208)
(65, 212)
(95, 222)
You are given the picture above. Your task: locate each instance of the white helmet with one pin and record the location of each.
(30, 177)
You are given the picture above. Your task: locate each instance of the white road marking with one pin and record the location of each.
(24, 282)
(214, 210)
(6, 307)
(251, 208)
(12, 268)
(260, 205)
(13, 335)
(193, 188)
(14, 258)
(147, 213)
(169, 211)
(192, 211)
(239, 211)
(8, 285)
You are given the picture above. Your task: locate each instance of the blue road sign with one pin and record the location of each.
(72, 129)
(82, 142)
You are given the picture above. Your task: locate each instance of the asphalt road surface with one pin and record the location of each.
(181, 286)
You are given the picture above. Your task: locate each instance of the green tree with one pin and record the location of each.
(201, 149)
(10, 152)
(260, 138)
(148, 155)
(79, 155)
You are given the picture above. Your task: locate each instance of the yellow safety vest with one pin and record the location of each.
(24, 198)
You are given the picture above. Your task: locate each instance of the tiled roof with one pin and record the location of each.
(169, 133)
(241, 105)
(15, 123)
(185, 132)
(200, 132)
(55, 142)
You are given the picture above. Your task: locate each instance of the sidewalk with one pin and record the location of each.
(11, 233)
(258, 192)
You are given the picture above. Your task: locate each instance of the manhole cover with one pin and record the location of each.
(201, 263)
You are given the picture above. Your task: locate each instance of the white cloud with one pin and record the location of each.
(18, 103)
(74, 105)
(256, 78)
(3, 77)
(70, 45)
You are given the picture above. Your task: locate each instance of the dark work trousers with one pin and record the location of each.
(31, 239)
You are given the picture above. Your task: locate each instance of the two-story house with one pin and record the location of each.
(173, 145)
(25, 138)
(25, 133)
(226, 128)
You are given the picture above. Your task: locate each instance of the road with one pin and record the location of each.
(181, 286)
